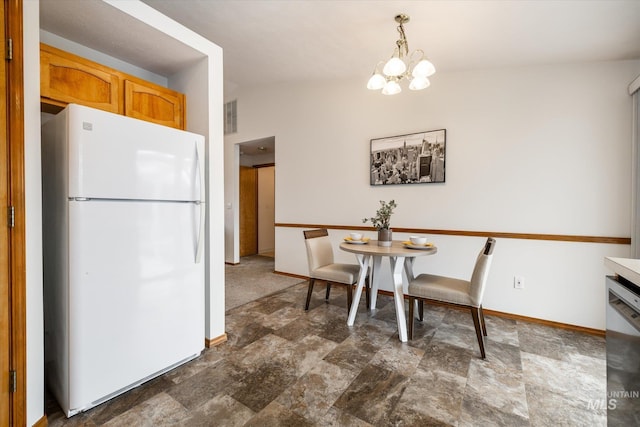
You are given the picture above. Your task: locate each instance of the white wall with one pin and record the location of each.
(202, 83)
(529, 150)
(33, 206)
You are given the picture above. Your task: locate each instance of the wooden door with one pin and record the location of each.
(5, 365)
(248, 211)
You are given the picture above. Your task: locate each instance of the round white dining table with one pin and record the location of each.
(399, 256)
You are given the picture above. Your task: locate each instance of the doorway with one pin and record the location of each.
(257, 197)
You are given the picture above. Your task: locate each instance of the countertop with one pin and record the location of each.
(626, 267)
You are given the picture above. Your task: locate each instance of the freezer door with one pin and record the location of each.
(136, 295)
(117, 157)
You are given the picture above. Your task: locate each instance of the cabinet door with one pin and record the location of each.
(65, 78)
(154, 104)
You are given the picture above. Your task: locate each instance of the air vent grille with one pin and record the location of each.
(231, 117)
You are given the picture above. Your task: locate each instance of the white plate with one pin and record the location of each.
(422, 247)
(357, 242)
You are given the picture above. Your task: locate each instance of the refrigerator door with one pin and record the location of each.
(136, 297)
(117, 157)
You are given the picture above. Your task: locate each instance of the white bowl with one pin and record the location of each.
(355, 236)
(418, 240)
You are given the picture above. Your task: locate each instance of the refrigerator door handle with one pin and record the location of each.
(201, 174)
(200, 246)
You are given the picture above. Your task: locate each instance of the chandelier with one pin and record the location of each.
(414, 67)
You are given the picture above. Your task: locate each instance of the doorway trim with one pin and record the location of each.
(17, 234)
(234, 239)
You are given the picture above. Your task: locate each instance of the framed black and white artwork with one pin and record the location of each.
(415, 158)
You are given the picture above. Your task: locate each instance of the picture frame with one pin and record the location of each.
(414, 158)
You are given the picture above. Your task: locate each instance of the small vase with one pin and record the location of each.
(384, 237)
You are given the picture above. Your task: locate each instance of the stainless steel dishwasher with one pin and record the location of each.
(623, 352)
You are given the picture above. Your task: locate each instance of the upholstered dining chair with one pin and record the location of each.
(455, 292)
(323, 268)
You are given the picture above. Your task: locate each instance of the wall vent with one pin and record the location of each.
(231, 117)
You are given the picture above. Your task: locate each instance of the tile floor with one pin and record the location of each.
(283, 366)
(251, 279)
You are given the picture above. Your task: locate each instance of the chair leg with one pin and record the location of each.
(309, 292)
(482, 322)
(328, 291)
(349, 297)
(412, 301)
(421, 310)
(475, 313)
(368, 292)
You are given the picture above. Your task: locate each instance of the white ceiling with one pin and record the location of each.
(275, 41)
(268, 41)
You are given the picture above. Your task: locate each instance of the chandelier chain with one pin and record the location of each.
(402, 43)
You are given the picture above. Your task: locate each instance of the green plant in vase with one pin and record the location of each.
(382, 222)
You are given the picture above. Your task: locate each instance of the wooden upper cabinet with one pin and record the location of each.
(66, 78)
(146, 101)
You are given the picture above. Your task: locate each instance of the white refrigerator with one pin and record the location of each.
(123, 228)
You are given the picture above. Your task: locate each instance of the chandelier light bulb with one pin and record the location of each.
(419, 83)
(423, 68)
(391, 88)
(394, 67)
(376, 82)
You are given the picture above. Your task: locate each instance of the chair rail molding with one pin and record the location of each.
(473, 233)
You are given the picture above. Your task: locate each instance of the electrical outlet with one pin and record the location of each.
(518, 282)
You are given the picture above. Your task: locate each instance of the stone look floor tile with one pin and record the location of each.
(282, 317)
(564, 378)
(373, 394)
(265, 349)
(502, 356)
(352, 354)
(476, 413)
(297, 329)
(547, 408)
(586, 345)
(282, 366)
(541, 340)
(461, 318)
(123, 403)
(457, 335)
(195, 391)
(263, 384)
(502, 330)
(441, 356)
(223, 409)
(502, 389)
(338, 418)
(160, 410)
(315, 392)
(398, 357)
(276, 415)
(434, 395)
(309, 352)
